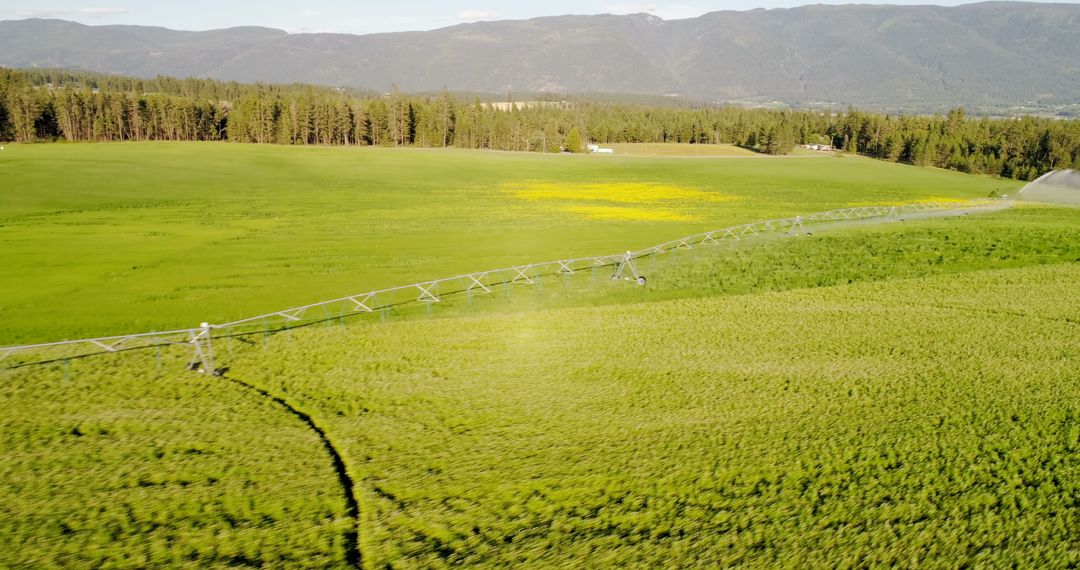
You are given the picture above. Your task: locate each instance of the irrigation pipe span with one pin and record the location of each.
(200, 338)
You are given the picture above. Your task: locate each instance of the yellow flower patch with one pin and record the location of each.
(628, 213)
(938, 199)
(620, 200)
(619, 192)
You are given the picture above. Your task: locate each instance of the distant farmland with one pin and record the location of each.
(682, 150)
(512, 105)
(108, 239)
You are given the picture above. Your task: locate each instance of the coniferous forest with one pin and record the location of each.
(51, 105)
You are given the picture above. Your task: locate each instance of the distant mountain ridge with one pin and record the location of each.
(992, 53)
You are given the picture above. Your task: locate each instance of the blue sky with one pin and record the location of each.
(365, 16)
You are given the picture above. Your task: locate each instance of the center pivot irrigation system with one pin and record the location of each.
(200, 339)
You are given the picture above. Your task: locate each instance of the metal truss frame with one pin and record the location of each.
(435, 291)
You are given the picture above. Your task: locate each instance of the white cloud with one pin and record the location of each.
(322, 25)
(99, 12)
(314, 30)
(44, 13)
(631, 8)
(95, 12)
(665, 11)
(476, 15)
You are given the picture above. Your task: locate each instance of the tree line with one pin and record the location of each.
(50, 105)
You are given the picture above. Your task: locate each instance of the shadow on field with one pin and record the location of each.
(352, 507)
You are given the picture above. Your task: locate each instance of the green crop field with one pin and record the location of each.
(930, 422)
(683, 150)
(120, 464)
(112, 239)
(894, 394)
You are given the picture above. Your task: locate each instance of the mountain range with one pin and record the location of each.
(991, 53)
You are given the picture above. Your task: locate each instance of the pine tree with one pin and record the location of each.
(572, 141)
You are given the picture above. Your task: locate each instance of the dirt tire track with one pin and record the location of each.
(353, 556)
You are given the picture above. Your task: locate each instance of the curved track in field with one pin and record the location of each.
(353, 556)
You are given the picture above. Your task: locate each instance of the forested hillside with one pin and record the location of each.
(51, 105)
(921, 58)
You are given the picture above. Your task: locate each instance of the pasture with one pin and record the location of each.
(683, 150)
(879, 395)
(930, 421)
(120, 238)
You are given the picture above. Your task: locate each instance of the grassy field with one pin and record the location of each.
(113, 239)
(767, 404)
(931, 421)
(902, 394)
(682, 150)
(137, 463)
